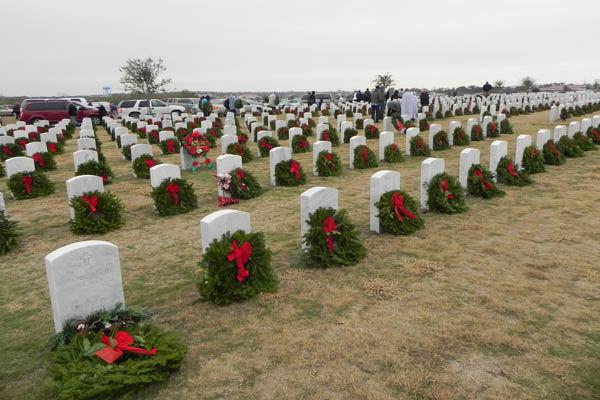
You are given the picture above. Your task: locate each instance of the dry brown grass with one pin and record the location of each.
(500, 302)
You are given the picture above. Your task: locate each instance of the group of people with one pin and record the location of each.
(391, 101)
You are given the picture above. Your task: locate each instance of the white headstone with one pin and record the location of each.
(81, 184)
(596, 121)
(35, 147)
(313, 199)
(433, 130)
(294, 132)
(227, 163)
(226, 140)
(523, 141)
(355, 141)
(559, 131)
(486, 121)
(429, 168)
(82, 156)
(277, 155)
(138, 150)
(453, 125)
(48, 137)
(387, 124)
(471, 122)
(229, 130)
(15, 165)
(386, 138)
(86, 144)
(319, 146)
(468, 157)
(585, 124)
(498, 149)
(6, 140)
(87, 133)
(410, 133)
(162, 172)
(128, 140)
(381, 182)
(543, 135)
(219, 223)
(574, 127)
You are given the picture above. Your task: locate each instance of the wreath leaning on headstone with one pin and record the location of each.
(508, 173)
(110, 353)
(55, 148)
(44, 161)
(348, 133)
(174, 196)
(440, 141)
(506, 128)
(480, 183)
(300, 144)
(289, 173)
(100, 169)
(584, 142)
(328, 164)
(552, 155)
(533, 160)
(476, 133)
(241, 150)
(332, 240)
(460, 137)
(170, 146)
(569, 148)
(9, 234)
(126, 151)
(331, 135)
(418, 147)
(244, 185)
(364, 157)
(371, 132)
(398, 213)
(10, 150)
(96, 212)
(265, 145)
(28, 185)
(142, 165)
(236, 268)
(392, 154)
(492, 130)
(445, 195)
(591, 132)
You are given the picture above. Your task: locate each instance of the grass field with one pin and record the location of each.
(501, 302)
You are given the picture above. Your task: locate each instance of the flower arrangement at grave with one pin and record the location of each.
(440, 141)
(181, 133)
(174, 196)
(477, 133)
(141, 166)
(584, 142)
(423, 125)
(508, 173)
(10, 150)
(533, 160)
(506, 128)
(212, 141)
(126, 151)
(224, 184)
(578, 111)
(358, 124)
(292, 123)
(307, 130)
(10, 234)
(527, 109)
(153, 137)
(196, 146)
(242, 138)
(364, 157)
(244, 185)
(289, 173)
(460, 137)
(552, 155)
(22, 142)
(98, 168)
(328, 164)
(241, 150)
(110, 353)
(392, 154)
(283, 133)
(300, 144)
(236, 268)
(265, 144)
(480, 183)
(591, 132)
(398, 213)
(445, 195)
(418, 147)
(69, 131)
(398, 122)
(348, 133)
(29, 185)
(96, 212)
(332, 240)
(492, 130)
(170, 146)
(207, 108)
(41, 129)
(371, 132)
(569, 148)
(331, 135)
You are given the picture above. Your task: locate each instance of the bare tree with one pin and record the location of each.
(528, 83)
(385, 80)
(143, 76)
(499, 84)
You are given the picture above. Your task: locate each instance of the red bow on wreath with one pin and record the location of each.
(511, 170)
(265, 145)
(37, 157)
(485, 183)
(27, 181)
(241, 176)
(398, 202)
(241, 255)
(329, 157)
(52, 147)
(122, 342)
(104, 178)
(171, 147)
(365, 154)
(329, 229)
(325, 136)
(92, 202)
(7, 151)
(399, 126)
(150, 163)
(303, 144)
(445, 186)
(295, 169)
(173, 189)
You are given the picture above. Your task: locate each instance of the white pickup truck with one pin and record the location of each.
(136, 108)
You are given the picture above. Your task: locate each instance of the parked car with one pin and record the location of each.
(80, 100)
(191, 105)
(6, 111)
(136, 108)
(56, 110)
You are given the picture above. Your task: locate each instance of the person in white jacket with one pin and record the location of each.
(410, 106)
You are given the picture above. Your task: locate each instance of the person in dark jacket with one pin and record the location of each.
(424, 98)
(367, 96)
(73, 113)
(17, 110)
(312, 99)
(487, 88)
(102, 111)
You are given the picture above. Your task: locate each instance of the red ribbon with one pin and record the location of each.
(27, 181)
(511, 170)
(445, 186)
(37, 157)
(303, 144)
(398, 202)
(399, 126)
(123, 343)
(329, 227)
(240, 174)
(295, 169)
(173, 189)
(150, 163)
(7, 151)
(241, 255)
(52, 147)
(225, 201)
(92, 202)
(104, 178)
(485, 183)
(329, 157)
(325, 136)
(265, 145)
(365, 154)
(171, 146)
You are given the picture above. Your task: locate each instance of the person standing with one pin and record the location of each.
(17, 110)
(231, 103)
(312, 99)
(367, 96)
(487, 88)
(272, 98)
(381, 104)
(424, 98)
(73, 113)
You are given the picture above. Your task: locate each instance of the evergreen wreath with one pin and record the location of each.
(492, 130)
(97, 168)
(265, 145)
(29, 185)
(398, 213)
(480, 183)
(300, 144)
(9, 234)
(144, 354)
(55, 148)
(236, 268)
(505, 127)
(240, 150)
(126, 150)
(328, 164)
(2, 171)
(348, 133)
(142, 165)
(10, 150)
(283, 133)
(289, 173)
(181, 133)
(445, 195)
(292, 123)
(508, 173)
(44, 161)
(418, 147)
(552, 155)
(584, 142)
(592, 133)
(242, 138)
(358, 124)
(423, 125)
(22, 142)
(307, 130)
(256, 130)
(332, 240)
(364, 157)
(392, 154)
(371, 132)
(244, 185)
(212, 141)
(153, 136)
(170, 146)
(533, 160)
(476, 133)
(96, 212)
(331, 135)
(312, 123)
(174, 196)
(569, 147)
(460, 138)
(440, 141)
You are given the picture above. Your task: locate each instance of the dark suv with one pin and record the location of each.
(54, 111)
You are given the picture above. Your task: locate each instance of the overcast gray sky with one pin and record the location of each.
(54, 47)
